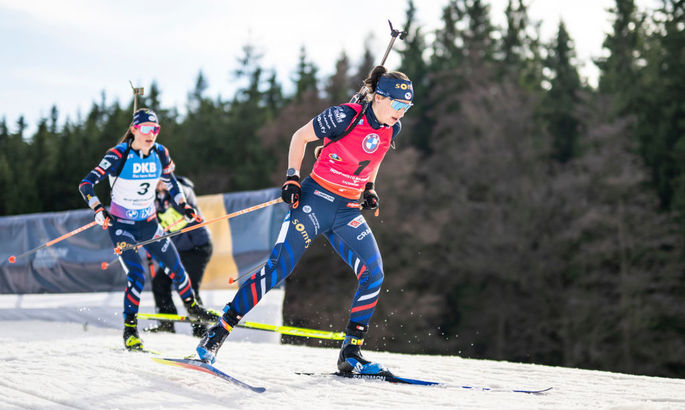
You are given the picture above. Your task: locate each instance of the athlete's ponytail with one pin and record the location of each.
(371, 81)
(369, 88)
(128, 136)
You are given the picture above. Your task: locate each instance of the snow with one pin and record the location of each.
(60, 364)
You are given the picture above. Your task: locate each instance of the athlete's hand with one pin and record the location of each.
(191, 213)
(102, 217)
(291, 191)
(371, 200)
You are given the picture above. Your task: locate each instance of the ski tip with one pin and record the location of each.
(534, 391)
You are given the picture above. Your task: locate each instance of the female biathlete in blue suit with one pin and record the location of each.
(134, 167)
(327, 204)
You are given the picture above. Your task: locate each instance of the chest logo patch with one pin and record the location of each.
(371, 143)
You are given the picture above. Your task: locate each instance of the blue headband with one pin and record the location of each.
(395, 88)
(144, 115)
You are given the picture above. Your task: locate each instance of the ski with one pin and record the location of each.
(206, 368)
(141, 350)
(145, 350)
(389, 377)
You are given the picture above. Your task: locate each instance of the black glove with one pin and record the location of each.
(102, 217)
(291, 191)
(371, 200)
(191, 213)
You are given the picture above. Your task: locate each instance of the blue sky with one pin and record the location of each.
(67, 52)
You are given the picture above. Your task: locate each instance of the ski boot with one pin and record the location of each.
(350, 359)
(216, 335)
(163, 326)
(197, 312)
(132, 340)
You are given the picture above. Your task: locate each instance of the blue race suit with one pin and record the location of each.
(133, 181)
(322, 212)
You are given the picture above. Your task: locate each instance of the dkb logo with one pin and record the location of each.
(146, 167)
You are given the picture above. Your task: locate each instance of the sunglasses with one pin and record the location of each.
(146, 129)
(398, 105)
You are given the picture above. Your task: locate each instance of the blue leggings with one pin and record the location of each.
(124, 231)
(340, 220)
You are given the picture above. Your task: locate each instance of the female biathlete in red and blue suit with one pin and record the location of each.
(327, 203)
(134, 167)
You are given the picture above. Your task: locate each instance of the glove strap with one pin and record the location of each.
(293, 182)
(195, 216)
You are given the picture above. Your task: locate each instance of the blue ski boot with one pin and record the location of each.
(216, 335)
(350, 359)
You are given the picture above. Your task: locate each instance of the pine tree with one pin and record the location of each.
(338, 89)
(562, 98)
(519, 49)
(305, 77)
(417, 126)
(620, 70)
(660, 127)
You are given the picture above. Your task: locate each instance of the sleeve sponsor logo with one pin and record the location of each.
(104, 164)
(339, 114)
(321, 126)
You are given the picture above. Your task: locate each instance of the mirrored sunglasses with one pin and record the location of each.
(398, 105)
(146, 129)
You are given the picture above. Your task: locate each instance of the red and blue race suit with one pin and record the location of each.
(133, 181)
(329, 206)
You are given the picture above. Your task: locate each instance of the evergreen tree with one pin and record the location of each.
(519, 50)
(620, 70)
(365, 66)
(478, 37)
(338, 89)
(417, 126)
(305, 77)
(561, 100)
(447, 53)
(6, 174)
(660, 127)
(195, 97)
(273, 97)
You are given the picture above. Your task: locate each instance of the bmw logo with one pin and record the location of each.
(371, 143)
